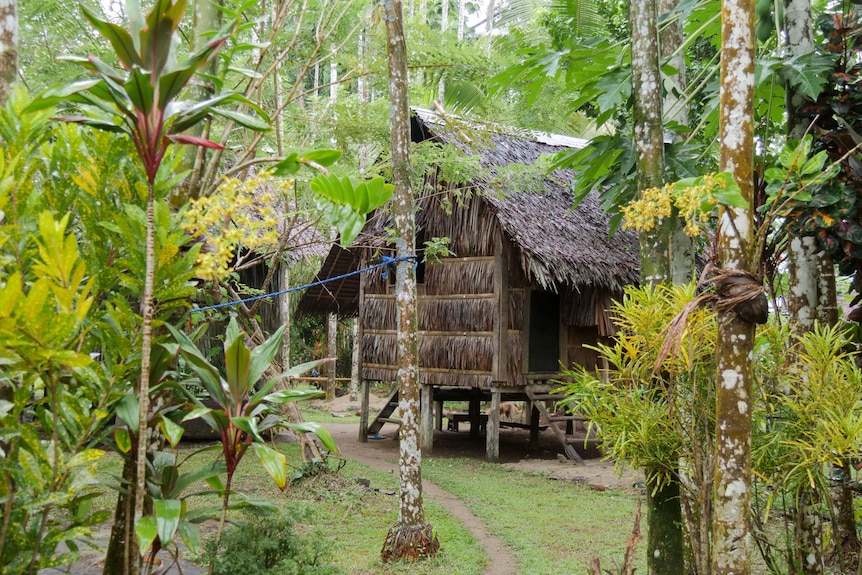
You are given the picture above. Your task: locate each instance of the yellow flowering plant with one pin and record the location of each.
(694, 198)
(241, 213)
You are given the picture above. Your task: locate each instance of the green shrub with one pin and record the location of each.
(268, 545)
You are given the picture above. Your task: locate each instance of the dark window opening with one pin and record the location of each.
(544, 342)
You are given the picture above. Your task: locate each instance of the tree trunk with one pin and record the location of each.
(665, 550)
(803, 292)
(8, 73)
(8, 47)
(122, 550)
(648, 139)
(731, 519)
(411, 538)
(331, 352)
(664, 518)
(354, 363)
(681, 247)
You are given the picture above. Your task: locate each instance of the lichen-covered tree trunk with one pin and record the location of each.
(731, 518)
(648, 138)
(8, 72)
(8, 47)
(675, 109)
(331, 352)
(664, 516)
(803, 291)
(411, 538)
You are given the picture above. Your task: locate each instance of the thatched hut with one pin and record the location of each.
(528, 288)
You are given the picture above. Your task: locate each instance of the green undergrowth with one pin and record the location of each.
(551, 526)
(352, 519)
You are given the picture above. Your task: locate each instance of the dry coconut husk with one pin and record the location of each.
(735, 290)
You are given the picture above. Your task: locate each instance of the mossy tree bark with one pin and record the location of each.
(8, 47)
(8, 73)
(411, 538)
(731, 519)
(665, 554)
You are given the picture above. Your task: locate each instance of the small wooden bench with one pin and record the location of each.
(458, 417)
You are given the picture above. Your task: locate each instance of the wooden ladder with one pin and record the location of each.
(538, 395)
(383, 417)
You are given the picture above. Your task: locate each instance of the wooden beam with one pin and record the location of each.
(500, 341)
(363, 411)
(492, 428)
(426, 418)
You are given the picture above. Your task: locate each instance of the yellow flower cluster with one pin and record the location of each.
(695, 204)
(644, 213)
(241, 213)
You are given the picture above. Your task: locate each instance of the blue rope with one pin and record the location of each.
(384, 261)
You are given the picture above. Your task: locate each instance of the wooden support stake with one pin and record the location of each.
(533, 445)
(426, 418)
(363, 411)
(492, 428)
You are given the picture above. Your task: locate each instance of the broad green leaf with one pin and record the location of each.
(204, 474)
(814, 164)
(318, 430)
(167, 519)
(247, 72)
(127, 411)
(190, 536)
(140, 91)
(172, 432)
(86, 457)
(249, 425)
(323, 157)
(274, 462)
(288, 166)
(120, 39)
(730, 194)
(172, 83)
(263, 355)
(379, 192)
(123, 439)
(243, 120)
(288, 395)
(196, 412)
(145, 532)
(237, 364)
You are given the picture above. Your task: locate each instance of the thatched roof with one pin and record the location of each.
(558, 246)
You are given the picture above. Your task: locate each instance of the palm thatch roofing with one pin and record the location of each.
(557, 245)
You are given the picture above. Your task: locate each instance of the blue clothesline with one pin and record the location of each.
(384, 261)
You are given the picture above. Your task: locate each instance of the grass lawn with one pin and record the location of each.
(352, 518)
(551, 526)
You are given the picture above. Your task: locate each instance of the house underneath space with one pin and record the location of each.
(528, 289)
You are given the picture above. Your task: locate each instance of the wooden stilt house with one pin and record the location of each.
(528, 288)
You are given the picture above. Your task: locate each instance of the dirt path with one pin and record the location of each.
(380, 454)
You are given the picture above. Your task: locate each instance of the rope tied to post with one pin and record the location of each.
(382, 261)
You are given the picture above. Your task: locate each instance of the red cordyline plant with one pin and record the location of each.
(140, 98)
